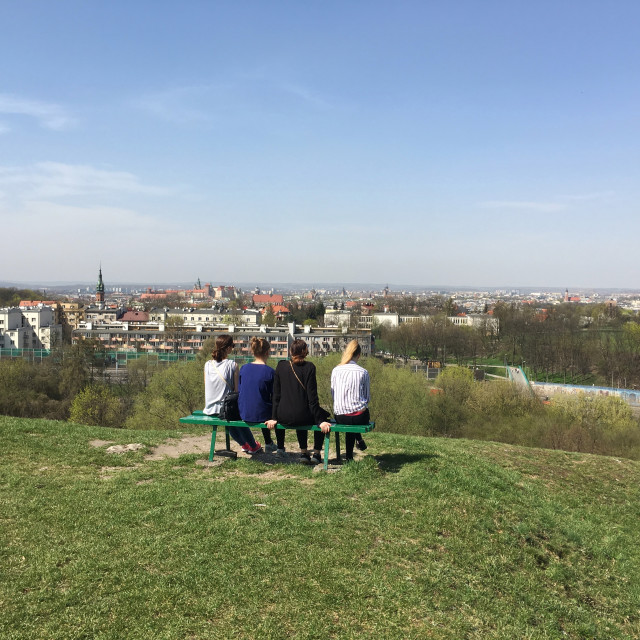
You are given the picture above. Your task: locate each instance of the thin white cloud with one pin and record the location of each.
(540, 207)
(242, 97)
(179, 105)
(54, 179)
(4, 128)
(586, 197)
(307, 95)
(48, 115)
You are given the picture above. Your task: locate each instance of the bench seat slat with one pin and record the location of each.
(209, 420)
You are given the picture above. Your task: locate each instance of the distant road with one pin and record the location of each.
(516, 375)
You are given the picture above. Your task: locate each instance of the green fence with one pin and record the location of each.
(28, 354)
(115, 358)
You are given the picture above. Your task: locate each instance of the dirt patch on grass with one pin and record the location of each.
(124, 448)
(99, 443)
(176, 447)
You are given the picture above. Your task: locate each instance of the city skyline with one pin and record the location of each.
(472, 144)
(292, 287)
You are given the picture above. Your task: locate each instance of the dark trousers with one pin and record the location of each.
(266, 433)
(350, 438)
(303, 438)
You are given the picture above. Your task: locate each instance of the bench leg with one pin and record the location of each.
(338, 445)
(213, 444)
(226, 453)
(327, 441)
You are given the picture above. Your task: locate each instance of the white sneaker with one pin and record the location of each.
(281, 453)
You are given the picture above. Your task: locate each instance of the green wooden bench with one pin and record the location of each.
(200, 418)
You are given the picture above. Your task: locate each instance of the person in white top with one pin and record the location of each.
(350, 389)
(220, 378)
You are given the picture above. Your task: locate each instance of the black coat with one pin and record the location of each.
(295, 402)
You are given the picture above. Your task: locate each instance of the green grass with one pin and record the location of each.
(424, 538)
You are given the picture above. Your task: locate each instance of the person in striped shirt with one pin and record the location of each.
(350, 392)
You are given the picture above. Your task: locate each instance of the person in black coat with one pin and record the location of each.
(295, 402)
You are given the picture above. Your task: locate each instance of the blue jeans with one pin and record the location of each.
(243, 436)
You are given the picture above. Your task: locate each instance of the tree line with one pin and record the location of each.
(584, 344)
(11, 296)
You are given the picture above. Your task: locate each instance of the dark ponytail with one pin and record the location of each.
(298, 351)
(223, 344)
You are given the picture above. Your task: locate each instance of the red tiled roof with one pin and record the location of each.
(267, 299)
(135, 316)
(277, 308)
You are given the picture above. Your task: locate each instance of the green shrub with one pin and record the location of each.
(173, 392)
(501, 398)
(97, 405)
(593, 424)
(31, 390)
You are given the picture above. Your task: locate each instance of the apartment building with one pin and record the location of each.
(393, 320)
(29, 328)
(103, 314)
(477, 320)
(205, 317)
(155, 337)
(72, 314)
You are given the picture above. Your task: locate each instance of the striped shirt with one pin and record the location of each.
(349, 388)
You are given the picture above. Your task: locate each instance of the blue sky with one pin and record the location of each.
(453, 143)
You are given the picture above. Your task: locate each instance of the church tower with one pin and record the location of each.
(100, 289)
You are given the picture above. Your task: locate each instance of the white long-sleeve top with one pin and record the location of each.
(349, 388)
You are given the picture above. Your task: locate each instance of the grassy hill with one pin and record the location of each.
(424, 538)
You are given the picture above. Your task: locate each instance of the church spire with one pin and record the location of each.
(100, 288)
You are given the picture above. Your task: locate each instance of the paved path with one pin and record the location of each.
(516, 375)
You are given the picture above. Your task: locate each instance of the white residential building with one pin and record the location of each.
(475, 320)
(152, 337)
(29, 328)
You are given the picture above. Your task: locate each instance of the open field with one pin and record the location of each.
(423, 538)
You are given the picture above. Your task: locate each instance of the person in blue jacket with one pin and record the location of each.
(256, 389)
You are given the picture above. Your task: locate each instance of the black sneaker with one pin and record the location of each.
(361, 444)
(316, 458)
(305, 458)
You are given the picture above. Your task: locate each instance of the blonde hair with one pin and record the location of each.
(260, 347)
(352, 350)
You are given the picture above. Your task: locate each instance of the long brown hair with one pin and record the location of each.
(223, 344)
